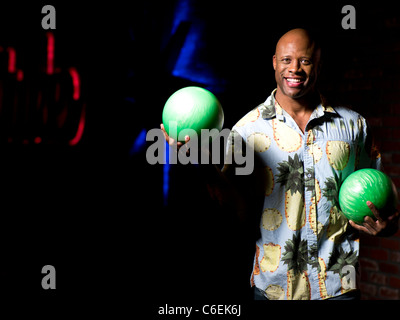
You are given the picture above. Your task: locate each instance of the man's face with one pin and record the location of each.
(296, 64)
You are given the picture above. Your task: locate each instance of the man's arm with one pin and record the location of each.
(242, 196)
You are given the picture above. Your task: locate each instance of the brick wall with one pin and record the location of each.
(380, 267)
(370, 82)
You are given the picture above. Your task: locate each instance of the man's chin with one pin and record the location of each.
(294, 94)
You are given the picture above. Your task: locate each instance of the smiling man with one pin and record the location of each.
(304, 150)
(297, 64)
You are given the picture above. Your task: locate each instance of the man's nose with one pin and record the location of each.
(295, 66)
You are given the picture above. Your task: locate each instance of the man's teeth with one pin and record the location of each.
(293, 80)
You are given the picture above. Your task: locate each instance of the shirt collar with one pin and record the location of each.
(268, 110)
(271, 109)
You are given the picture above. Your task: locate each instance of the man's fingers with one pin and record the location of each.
(187, 139)
(162, 128)
(164, 132)
(358, 227)
(171, 141)
(375, 211)
(367, 227)
(372, 226)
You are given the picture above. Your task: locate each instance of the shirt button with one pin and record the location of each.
(309, 175)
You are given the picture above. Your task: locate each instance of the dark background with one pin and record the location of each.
(97, 212)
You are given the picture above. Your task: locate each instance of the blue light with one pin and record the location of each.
(182, 12)
(192, 64)
(139, 143)
(184, 64)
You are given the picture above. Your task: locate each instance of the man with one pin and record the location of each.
(304, 149)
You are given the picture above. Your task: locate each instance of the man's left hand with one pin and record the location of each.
(380, 227)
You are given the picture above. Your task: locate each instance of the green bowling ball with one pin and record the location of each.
(191, 108)
(362, 186)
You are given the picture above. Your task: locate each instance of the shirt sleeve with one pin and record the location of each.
(368, 153)
(234, 150)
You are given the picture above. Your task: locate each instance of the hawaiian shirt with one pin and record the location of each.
(306, 243)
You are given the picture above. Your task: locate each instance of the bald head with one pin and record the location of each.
(300, 38)
(296, 63)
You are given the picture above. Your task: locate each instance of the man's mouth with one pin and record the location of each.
(294, 82)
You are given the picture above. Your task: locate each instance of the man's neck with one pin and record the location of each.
(299, 109)
(297, 106)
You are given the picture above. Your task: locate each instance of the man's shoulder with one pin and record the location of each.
(263, 110)
(251, 116)
(347, 112)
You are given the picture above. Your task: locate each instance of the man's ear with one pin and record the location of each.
(274, 61)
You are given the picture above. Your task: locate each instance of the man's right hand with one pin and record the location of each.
(171, 141)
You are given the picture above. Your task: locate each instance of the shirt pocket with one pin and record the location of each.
(339, 155)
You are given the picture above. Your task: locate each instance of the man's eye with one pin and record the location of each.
(305, 61)
(286, 60)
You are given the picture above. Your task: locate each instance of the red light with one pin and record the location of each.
(81, 127)
(37, 140)
(12, 60)
(50, 53)
(20, 75)
(76, 83)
